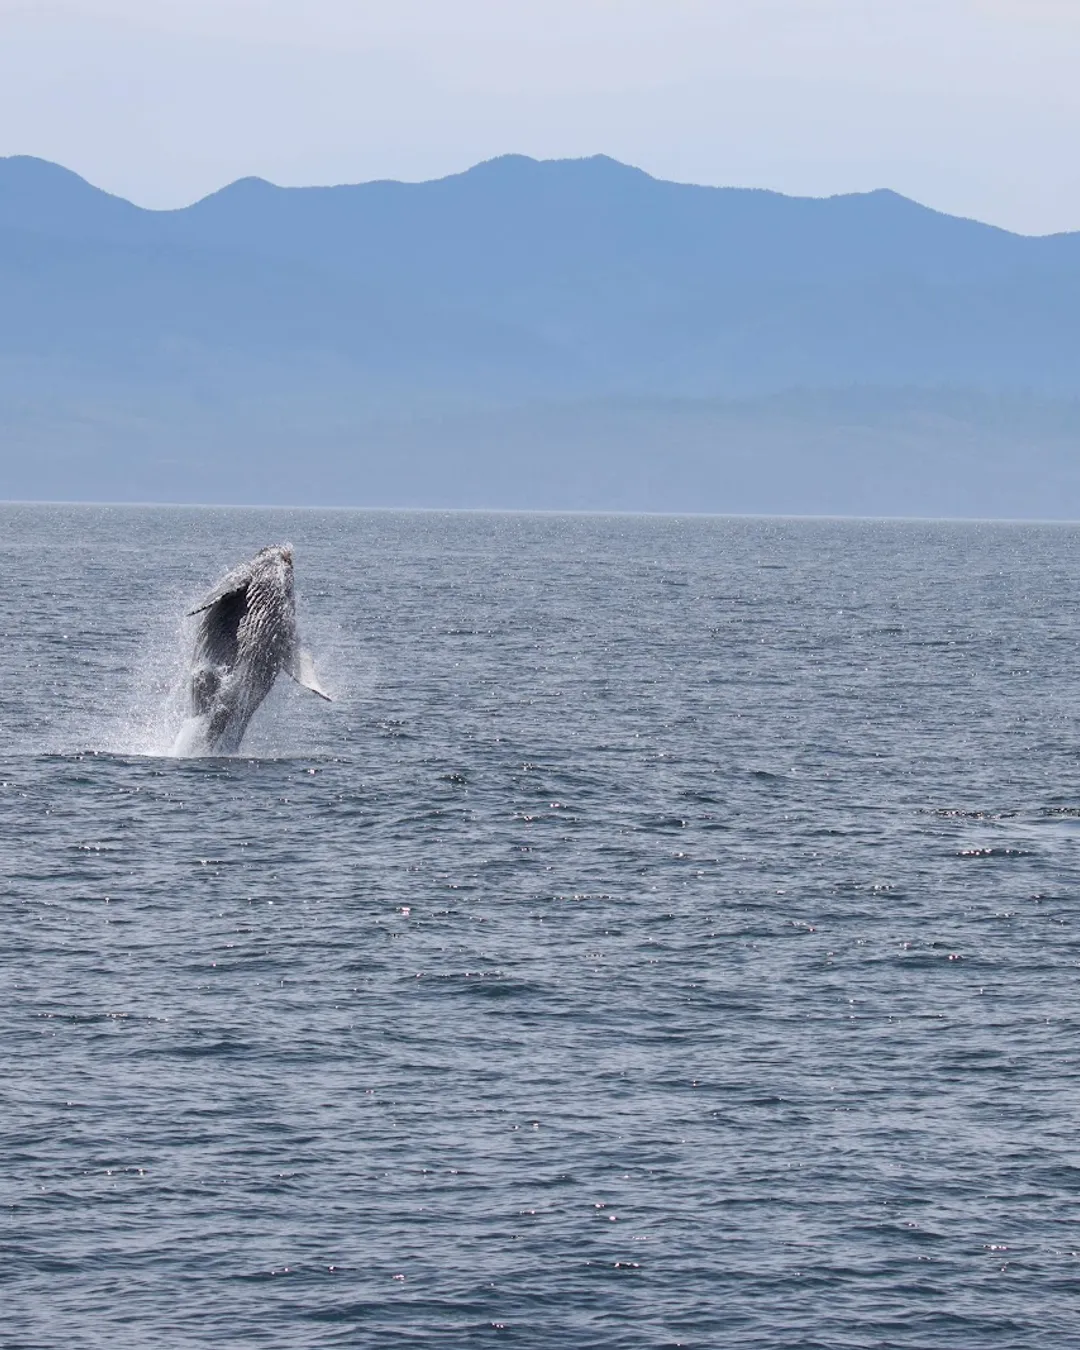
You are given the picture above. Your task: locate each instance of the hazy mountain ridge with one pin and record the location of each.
(315, 315)
(640, 285)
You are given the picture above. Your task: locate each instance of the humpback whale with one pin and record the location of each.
(246, 636)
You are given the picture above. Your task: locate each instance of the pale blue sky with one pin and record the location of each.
(972, 106)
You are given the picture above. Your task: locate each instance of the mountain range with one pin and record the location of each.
(534, 334)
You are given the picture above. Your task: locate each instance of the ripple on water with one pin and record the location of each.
(667, 937)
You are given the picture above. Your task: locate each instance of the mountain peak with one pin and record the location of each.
(38, 194)
(510, 168)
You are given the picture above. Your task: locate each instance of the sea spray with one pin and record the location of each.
(152, 701)
(151, 713)
(124, 660)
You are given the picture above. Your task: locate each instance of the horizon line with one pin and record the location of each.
(601, 512)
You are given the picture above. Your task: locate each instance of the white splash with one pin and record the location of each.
(148, 712)
(153, 701)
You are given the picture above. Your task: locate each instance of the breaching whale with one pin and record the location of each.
(245, 638)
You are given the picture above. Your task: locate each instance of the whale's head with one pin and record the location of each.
(257, 595)
(279, 553)
(273, 567)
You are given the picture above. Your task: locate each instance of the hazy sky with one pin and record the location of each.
(972, 106)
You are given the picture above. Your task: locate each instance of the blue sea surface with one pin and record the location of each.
(670, 936)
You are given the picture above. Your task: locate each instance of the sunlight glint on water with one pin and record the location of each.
(668, 936)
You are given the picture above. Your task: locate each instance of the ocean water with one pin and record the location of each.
(668, 937)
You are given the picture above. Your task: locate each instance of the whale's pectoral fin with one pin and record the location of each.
(221, 592)
(231, 584)
(302, 669)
